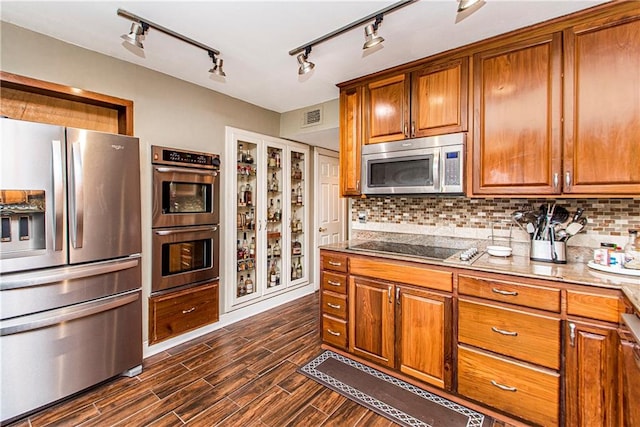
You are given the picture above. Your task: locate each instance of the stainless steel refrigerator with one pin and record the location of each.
(70, 274)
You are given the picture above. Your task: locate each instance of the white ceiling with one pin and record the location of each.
(254, 38)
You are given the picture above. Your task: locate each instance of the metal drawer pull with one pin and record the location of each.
(332, 283)
(500, 331)
(335, 334)
(335, 264)
(501, 292)
(503, 387)
(336, 306)
(188, 311)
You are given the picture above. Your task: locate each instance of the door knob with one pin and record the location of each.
(322, 229)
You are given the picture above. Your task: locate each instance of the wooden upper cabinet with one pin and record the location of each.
(387, 109)
(439, 98)
(517, 118)
(350, 140)
(602, 107)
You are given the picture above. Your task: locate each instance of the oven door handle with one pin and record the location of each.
(187, 230)
(163, 169)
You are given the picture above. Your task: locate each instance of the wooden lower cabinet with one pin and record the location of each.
(174, 313)
(423, 325)
(591, 375)
(520, 389)
(371, 329)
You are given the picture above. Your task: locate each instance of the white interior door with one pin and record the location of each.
(330, 207)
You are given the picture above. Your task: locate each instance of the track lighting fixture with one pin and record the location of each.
(305, 65)
(467, 7)
(371, 34)
(140, 26)
(217, 65)
(372, 37)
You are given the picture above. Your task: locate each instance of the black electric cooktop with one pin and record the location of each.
(433, 252)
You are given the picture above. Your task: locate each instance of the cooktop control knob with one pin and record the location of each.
(469, 254)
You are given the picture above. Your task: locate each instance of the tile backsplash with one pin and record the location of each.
(608, 219)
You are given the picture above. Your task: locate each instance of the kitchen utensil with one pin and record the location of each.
(502, 251)
(577, 215)
(574, 228)
(531, 229)
(560, 215)
(561, 235)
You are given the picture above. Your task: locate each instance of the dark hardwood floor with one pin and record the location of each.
(240, 375)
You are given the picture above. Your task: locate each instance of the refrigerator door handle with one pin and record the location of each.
(77, 199)
(66, 314)
(58, 194)
(24, 280)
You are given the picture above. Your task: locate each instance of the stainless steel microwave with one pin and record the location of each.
(432, 165)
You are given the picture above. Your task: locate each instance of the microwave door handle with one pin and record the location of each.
(58, 195)
(77, 199)
(436, 171)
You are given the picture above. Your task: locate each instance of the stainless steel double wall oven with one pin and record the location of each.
(186, 217)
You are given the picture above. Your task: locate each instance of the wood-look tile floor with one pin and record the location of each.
(240, 375)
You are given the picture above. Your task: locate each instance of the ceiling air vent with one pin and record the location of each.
(312, 117)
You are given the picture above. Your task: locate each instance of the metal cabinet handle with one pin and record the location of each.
(567, 179)
(572, 334)
(503, 332)
(332, 283)
(413, 128)
(398, 296)
(335, 264)
(389, 295)
(501, 292)
(556, 180)
(406, 130)
(188, 311)
(503, 387)
(336, 306)
(358, 185)
(335, 334)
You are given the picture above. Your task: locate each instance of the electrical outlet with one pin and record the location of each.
(362, 217)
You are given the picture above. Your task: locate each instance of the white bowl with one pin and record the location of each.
(502, 251)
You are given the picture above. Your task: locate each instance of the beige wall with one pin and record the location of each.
(167, 111)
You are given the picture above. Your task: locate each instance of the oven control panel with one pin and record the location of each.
(174, 157)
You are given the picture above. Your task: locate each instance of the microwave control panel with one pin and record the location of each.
(452, 169)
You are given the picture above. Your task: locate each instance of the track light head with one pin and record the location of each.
(467, 7)
(135, 34)
(217, 65)
(305, 65)
(371, 34)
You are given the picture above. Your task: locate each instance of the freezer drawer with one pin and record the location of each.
(51, 355)
(31, 292)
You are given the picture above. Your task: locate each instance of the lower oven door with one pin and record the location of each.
(184, 255)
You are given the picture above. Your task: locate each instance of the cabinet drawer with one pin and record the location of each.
(520, 390)
(334, 331)
(513, 293)
(332, 261)
(525, 336)
(176, 312)
(402, 273)
(334, 304)
(334, 282)
(594, 306)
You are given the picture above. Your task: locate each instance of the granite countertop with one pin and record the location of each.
(578, 273)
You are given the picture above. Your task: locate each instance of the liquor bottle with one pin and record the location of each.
(277, 159)
(277, 275)
(272, 275)
(277, 215)
(270, 210)
(248, 284)
(250, 224)
(241, 153)
(269, 250)
(276, 249)
(296, 248)
(245, 247)
(252, 247)
(272, 159)
(298, 194)
(275, 182)
(248, 158)
(248, 197)
(241, 286)
(299, 270)
(241, 196)
(240, 254)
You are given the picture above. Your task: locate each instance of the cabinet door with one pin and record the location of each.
(439, 99)
(424, 335)
(350, 141)
(387, 109)
(517, 108)
(298, 243)
(371, 320)
(602, 108)
(591, 375)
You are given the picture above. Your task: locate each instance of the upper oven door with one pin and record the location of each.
(401, 172)
(184, 196)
